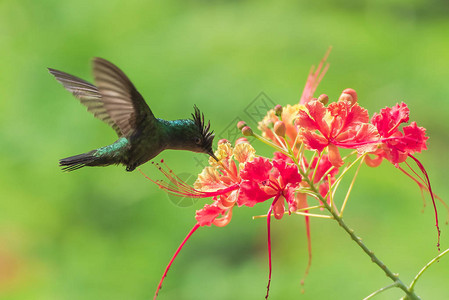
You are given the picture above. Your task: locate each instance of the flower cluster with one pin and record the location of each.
(308, 138)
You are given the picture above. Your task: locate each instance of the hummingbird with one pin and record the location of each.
(141, 136)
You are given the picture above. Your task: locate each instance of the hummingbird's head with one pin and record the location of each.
(203, 137)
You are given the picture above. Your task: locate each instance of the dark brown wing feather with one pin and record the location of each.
(88, 95)
(121, 100)
(115, 101)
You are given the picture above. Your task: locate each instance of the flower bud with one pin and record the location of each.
(241, 124)
(223, 141)
(278, 110)
(247, 131)
(323, 98)
(241, 140)
(279, 128)
(348, 95)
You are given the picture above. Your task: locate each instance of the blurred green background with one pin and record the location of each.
(103, 233)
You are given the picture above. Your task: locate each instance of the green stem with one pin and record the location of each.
(269, 143)
(412, 285)
(381, 290)
(410, 293)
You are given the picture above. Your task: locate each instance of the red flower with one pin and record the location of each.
(208, 214)
(223, 175)
(263, 180)
(396, 145)
(237, 179)
(220, 181)
(342, 124)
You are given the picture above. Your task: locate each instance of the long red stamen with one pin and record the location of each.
(269, 243)
(309, 247)
(423, 188)
(417, 175)
(359, 144)
(347, 145)
(176, 186)
(423, 170)
(173, 258)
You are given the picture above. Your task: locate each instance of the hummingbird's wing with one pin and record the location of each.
(121, 100)
(88, 95)
(115, 101)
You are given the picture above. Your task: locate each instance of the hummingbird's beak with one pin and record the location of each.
(211, 153)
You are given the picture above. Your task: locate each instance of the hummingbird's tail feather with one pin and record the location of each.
(113, 154)
(76, 162)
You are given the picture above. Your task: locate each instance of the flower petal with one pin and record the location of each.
(288, 172)
(209, 180)
(251, 193)
(334, 156)
(279, 208)
(256, 170)
(208, 214)
(244, 152)
(313, 140)
(414, 139)
(313, 117)
(389, 119)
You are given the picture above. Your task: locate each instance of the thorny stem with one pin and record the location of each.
(396, 280)
(410, 293)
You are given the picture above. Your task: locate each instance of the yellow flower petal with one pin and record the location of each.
(244, 152)
(223, 153)
(209, 180)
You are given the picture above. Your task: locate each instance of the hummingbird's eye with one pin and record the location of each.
(198, 141)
